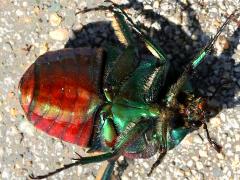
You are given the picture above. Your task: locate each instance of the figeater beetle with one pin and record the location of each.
(112, 100)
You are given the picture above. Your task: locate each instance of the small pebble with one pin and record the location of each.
(199, 165)
(195, 158)
(6, 174)
(212, 89)
(1, 152)
(43, 48)
(220, 156)
(223, 42)
(59, 34)
(178, 173)
(26, 127)
(222, 117)
(190, 163)
(156, 4)
(13, 112)
(237, 69)
(124, 177)
(217, 172)
(148, 7)
(36, 10)
(197, 139)
(55, 19)
(203, 153)
(79, 170)
(19, 12)
(215, 122)
(237, 148)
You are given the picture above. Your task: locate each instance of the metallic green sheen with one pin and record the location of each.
(199, 59)
(177, 136)
(108, 130)
(123, 114)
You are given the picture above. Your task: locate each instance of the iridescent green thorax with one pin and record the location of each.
(116, 116)
(129, 111)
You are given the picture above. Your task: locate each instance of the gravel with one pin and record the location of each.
(29, 28)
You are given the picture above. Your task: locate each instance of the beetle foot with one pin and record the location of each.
(108, 1)
(216, 146)
(31, 176)
(79, 157)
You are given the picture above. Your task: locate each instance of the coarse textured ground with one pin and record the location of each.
(29, 28)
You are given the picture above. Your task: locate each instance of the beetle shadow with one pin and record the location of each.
(215, 78)
(216, 72)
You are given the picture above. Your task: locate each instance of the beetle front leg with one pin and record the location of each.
(216, 146)
(190, 68)
(158, 161)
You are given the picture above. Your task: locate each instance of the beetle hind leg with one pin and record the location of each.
(80, 161)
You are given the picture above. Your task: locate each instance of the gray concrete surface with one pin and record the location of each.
(29, 28)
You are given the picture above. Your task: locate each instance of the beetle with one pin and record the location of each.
(112, 100)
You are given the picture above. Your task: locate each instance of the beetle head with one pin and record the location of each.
(175, 123)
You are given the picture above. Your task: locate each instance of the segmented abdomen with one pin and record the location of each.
(60, 93)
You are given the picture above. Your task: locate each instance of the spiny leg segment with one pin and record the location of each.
(118, 10)
(176, 88)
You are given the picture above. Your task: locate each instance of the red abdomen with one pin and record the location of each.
(60, 93)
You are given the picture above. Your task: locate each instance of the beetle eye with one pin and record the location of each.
(176, 122)
(195, 124)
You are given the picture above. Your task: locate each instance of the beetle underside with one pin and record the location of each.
(115, 104)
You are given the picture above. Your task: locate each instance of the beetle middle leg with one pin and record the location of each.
(157, 162)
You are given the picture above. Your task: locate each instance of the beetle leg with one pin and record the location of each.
(79, 156)
(157, 162)
(106, 175)
(123, 66)
(81, 161)
(132, 132)
(152, 47)
(120, 14)
(195, 125)
(120, 67)
(216, 146)
(205, 51)
(176, 88)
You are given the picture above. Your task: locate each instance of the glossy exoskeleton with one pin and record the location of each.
(111, 101)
